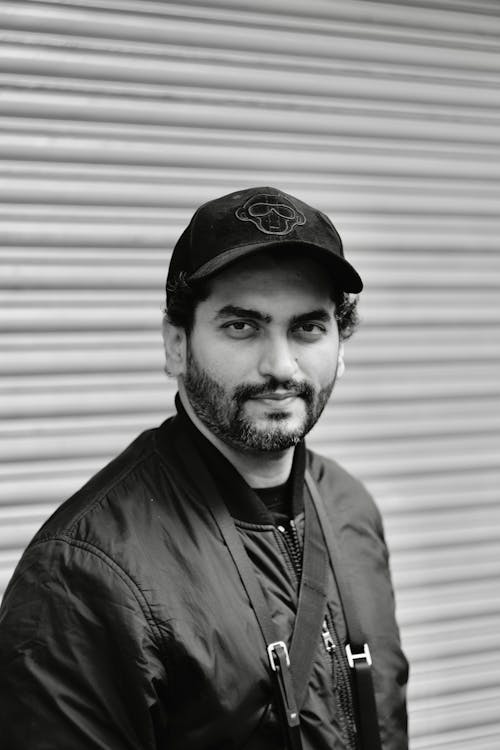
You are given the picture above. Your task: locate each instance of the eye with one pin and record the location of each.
(309, 331)
(239, 329)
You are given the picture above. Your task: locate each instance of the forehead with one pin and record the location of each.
(266, 279)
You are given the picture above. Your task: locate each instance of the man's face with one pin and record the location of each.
(262, 355)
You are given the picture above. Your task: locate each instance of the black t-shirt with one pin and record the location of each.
(277, 499)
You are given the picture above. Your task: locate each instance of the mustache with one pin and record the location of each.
(300, 389)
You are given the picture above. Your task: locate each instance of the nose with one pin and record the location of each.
(277, 359)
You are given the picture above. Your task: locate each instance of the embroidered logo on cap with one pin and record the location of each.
(271, 214)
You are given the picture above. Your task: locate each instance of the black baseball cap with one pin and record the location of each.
(234, 226)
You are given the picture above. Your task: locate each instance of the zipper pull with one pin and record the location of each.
(327, 637)
(330, 648)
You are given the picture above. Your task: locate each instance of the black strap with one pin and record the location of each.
(311, 604)
(277, 651)
(357, 650)
(290, 670)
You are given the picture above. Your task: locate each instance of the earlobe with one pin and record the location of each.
(174, 341)
(340, 362)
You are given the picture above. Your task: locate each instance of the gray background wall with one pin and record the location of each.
(118, 118)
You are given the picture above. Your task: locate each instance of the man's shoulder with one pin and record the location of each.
(329, 473)
(107, 497)
(340, 490)
(117, 525)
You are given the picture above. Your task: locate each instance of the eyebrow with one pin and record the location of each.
(321, 314)
(242, 312)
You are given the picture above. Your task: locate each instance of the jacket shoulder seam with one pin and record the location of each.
(105, 490)
(119, 571)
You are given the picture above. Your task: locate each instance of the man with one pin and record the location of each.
(218, 585)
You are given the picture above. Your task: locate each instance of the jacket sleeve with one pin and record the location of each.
(79, 659)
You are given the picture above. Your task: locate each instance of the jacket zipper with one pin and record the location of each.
(338, 665)
(342, 685)
(329, 648)
(293, 547)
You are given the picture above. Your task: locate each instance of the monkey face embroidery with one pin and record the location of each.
(270, 214)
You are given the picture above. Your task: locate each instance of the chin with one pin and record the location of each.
(282, 423)
(274, 430)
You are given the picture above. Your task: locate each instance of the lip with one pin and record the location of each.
(275, 397)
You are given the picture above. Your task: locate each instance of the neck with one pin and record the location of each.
(265, 469)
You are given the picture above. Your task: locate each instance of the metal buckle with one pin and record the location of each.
(351, 658)
(270, 652)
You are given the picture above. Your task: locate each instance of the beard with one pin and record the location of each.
(223, 412)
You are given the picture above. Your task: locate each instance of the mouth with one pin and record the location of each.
(272, 399)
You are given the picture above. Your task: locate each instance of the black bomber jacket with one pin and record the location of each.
(126, 626)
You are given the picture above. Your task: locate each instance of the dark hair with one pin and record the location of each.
(184, 296)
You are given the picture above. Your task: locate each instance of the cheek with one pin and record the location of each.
(220, 362)
(319, 366)
(328, 373)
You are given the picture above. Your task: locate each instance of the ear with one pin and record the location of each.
(174, 341)
(340, 361)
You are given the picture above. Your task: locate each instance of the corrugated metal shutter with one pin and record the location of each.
(119, 117)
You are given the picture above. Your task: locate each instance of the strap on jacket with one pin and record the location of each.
(357, 650)
(277, 651)
(291, 670)
(312, 603)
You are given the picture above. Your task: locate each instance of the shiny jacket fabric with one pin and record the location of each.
(126, 625)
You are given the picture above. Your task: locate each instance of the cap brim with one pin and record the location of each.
(344, 276)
